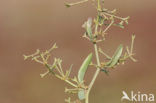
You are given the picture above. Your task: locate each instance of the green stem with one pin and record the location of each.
(98, 63)
(97, 71)
(114, 16)
(108, 26)
(67, 81)
(80, 2)
(95, 75)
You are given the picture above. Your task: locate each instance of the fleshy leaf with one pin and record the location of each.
(84, 67)
(67, 5)
(81, 94)
(115, 57)
(88, 26)
(121, 26)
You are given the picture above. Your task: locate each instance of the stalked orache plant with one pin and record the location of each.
(95, 31)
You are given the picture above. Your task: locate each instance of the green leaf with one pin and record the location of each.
(81, 94)
(100, 19)
(67, 5)
(121, 26)
(89, 27)
(84, 67)
(115, 57)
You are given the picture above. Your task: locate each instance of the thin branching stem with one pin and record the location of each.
(114, 16)
(132, 43)
(80, 2)
(66, 80)
(60, 77)
(108, 26)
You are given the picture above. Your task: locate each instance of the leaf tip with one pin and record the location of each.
(67, 5)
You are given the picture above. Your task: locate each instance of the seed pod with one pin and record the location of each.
(84, 67)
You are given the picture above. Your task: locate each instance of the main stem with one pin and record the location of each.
(98, 63)
(95, 75)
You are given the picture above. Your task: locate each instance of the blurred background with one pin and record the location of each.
(27, 25)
